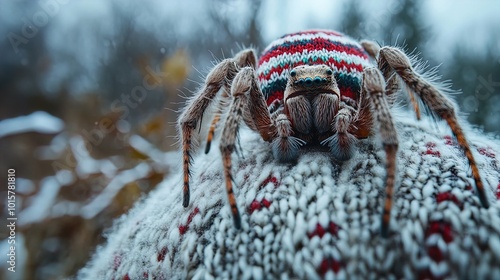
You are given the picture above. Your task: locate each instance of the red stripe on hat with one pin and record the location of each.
(314, 44)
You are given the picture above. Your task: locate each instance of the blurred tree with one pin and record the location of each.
(247, 31)
(405, 25)
(23, 62)
(130, 52)
(353, 21)
(478, 78)
(397, 23)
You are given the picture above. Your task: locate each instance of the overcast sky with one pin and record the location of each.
(470, 23)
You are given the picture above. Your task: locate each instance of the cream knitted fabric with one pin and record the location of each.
(317, 218)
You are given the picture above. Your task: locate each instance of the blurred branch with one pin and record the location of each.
(224, 22)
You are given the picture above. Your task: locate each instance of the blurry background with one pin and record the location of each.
(89, 92)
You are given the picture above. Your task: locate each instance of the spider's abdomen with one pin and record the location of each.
(344, 55)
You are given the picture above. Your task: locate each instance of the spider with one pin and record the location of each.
(316, 87)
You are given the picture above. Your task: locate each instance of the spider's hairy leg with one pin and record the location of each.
(228, 140)
(215, 121)
(437, 102)
(248, 102)
(246, 57)
(227, 144)
(371, 48)
(373, 87)
(392, 86)
(414, 102)
(256, 114)
(191, 116)
(363, 122)
(392, 83)
(242, 59)
(342, 142)
(285, 146)
(282, 127)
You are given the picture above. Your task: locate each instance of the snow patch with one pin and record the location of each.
(38, 121)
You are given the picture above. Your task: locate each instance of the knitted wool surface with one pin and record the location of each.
(317, 218)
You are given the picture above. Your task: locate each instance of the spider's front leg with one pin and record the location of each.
(219, 78)
(373, 89)
(393, 59)
(248, 103)
(392, 81)
(242, 59)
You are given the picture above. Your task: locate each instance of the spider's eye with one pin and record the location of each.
(293, 73)
(329, 72)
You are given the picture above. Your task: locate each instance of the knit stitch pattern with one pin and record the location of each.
(344, 55)
(318, 218)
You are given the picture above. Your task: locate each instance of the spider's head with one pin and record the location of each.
(309, 80)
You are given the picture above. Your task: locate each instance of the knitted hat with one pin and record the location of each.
(344, 55)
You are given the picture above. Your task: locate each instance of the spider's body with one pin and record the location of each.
(315, 87)
(312, 108)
